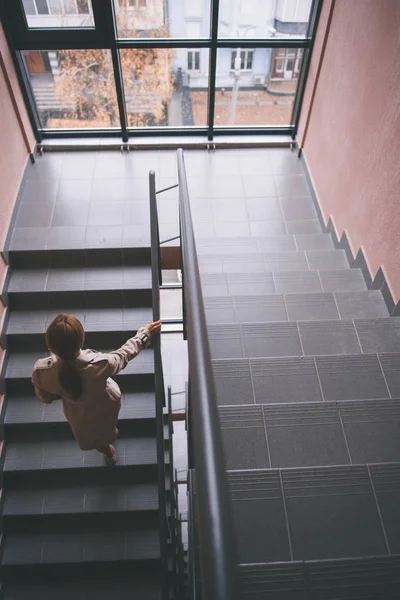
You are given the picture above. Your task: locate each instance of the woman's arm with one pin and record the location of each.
(118, 359)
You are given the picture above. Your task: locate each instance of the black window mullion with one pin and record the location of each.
(213, 67)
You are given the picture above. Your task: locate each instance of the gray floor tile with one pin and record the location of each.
(329, 337)
(249, 309)
(272, 339)
(65, 549)
(66, 238)
(304, 435)
(306, 226)
(285, 261)
(385, 479)
(219, 310)
(24, 456)
(285, 380)
(258, 186)
(44, 169)
(228, 246)
(311, 307)
(391, 368)
(29, 238)
(213, 285)
(137, 213)
(323, 260)
(267, 228)
(233, 383)
(328, 509)
(292, 186)
(63, 500)
(379, 335)
(277, 243)
(28, 280)
(210, 265)
(259, 517)
(35, 214)
(204, 229)
(297, 281)
(24, 410)
(249, 263)
(78, 166)
(225, 342)
(101, 237)
(40, 190)
(298, 209)
(314, 241)
(20, 548)
(24, 502)
(232, 228)
(243, 434)
(346, 280)
(70, 213)
(252, 283)
(372, 430)
(25, 321)
(229, 210)
(284, 164)
(255, 165)
(264, 209)
(361, 305)
(103, 190)
(106, 213)
(65, 279)
(351, 377)
(74, 190)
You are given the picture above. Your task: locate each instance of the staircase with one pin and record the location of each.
(306, 363)
(73, 528)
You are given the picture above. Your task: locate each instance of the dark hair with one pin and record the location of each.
(64, 337)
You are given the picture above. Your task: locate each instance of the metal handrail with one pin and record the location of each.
(159, 382)
(217, 544)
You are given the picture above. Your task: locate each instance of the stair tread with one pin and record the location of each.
(81, 499)
(65, 454)
(72, 548)
(273, 243)
(27, 322)
(28, 410)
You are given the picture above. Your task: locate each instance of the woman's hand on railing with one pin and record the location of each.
(154, 328)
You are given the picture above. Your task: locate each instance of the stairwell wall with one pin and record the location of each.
(17, 141)
(349, 129)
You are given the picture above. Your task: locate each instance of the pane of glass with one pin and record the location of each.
(58, 13)
(262, 19)
(74, 89)
(262, 93)
(163, 18)
(160, 88)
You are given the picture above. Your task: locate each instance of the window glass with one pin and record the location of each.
(74, 89)
(58, 13)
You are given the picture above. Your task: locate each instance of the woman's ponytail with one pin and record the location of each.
(65, 336)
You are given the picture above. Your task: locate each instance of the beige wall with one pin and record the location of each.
(16, 142)
(350, 127)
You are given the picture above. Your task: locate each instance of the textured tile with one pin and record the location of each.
(259, 308)
(386, 480)
(379, 335)
(351, 377)
(225, 342)
(20, 548)
(65, 549)
(264, 209)
(329, 337)
(298, 209)
(70, 213)
(24, 502)
(63, 500)
(285, 261)
(267, 228)
(311, 241)
(243, 435)
(273, 339)
(29, 238)
(311, 307)
(328, 509)
(74, 190)
(277, 243)
(285, 380)
(361, 305)
(65, 279)
(391, 368)
(219, 310)
(244, 284)
(213, 285)
(259, 516)
(306, 226)
(346, 280)
(304, 435)
(250, 263)
(292, 186)
(106, 213)
(297, 281)
(232, 228)
(28, 280)
(103, 190)
(233, 383)
(323, 260)
(65, 238)
(41, 190)
(226, 246)
(372, 430)
(210, 265)
(35, 214)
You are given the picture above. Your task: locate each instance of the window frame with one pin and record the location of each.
(104, 35)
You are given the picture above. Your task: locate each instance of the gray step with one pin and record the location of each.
(234, 284)
(263, 262)
(295, 307)
(318, 513)
(352, 579)
(274, 243)
(304, 338)
(310, 434)
(26, 329)
(140, 585)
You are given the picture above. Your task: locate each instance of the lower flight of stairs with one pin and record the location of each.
(73, 528)
(306, 365)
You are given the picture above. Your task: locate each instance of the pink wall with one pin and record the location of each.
(352, 142)
(16, 141)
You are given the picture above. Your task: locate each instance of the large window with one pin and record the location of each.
(204, 66)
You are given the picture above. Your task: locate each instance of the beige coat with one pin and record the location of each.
(93, 416)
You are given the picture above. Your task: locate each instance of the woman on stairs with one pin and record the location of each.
(82, 379)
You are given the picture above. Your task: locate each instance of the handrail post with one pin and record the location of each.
(159, 383)
(217, 543)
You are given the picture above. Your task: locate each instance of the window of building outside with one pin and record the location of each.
(246, 59)
(167, 85)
